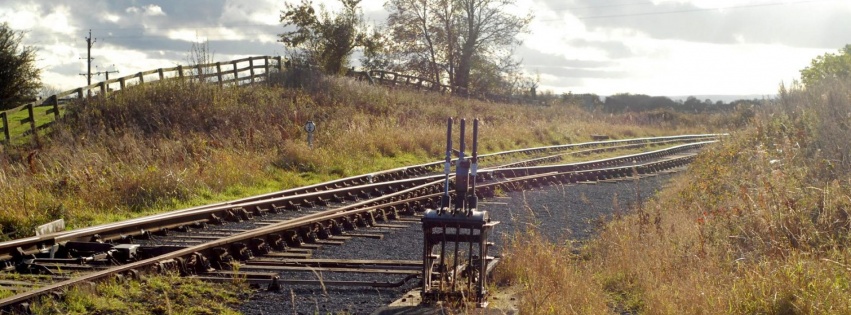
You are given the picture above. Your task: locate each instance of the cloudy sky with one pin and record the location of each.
(657, 47)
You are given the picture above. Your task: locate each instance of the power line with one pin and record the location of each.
(605, 6)
(593, 17)
(186, 27)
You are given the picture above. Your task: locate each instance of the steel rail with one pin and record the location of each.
(204, 214)
(567, 173)
(134, 227)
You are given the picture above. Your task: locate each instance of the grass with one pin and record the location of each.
(757, 225)
(19, 132)
(156, 147)
(169, 294)
(173, 144)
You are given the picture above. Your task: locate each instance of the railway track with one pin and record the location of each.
(265, 235)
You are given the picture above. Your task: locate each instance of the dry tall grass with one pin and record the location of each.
(758, 225)
(176, 143)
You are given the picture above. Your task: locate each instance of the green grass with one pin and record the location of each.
(17, 129)
(169, 294)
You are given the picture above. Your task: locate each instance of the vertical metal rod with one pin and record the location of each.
(455, 264)
(470, 263)
(461, 167)
(443, 257)
(474, 199)
(461, 146)
(444, 201)
(483, 252)
(427, 261)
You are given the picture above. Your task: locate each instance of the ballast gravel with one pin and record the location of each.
(559, 213)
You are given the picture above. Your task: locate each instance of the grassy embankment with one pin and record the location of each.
(174, 144)
(759, 224)
(163, 146)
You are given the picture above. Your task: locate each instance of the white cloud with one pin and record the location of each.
(57, 21)
(743, 54)
(111, 17)
(21, 17)
(154, 10)
(189, 35)
(148, 10)
(253, 11)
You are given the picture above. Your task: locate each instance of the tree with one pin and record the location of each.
(447, 40)
(326, 39)
(828, 66)
(19, 77)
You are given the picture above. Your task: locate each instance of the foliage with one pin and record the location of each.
(19, 76)
(200, 54)
(327, 39)
(641, 102)
(161, 294)
(448, 40)
(758, 224)
(827, 66)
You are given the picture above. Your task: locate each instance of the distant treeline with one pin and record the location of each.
(641, 102)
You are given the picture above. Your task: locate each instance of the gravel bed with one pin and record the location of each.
(561, 212)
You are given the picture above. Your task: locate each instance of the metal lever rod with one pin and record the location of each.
(444, 200)
(472, 199)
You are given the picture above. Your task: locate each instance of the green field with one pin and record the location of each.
(20, 132)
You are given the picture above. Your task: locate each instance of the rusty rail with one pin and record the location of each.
(135, 227)
(425, 190)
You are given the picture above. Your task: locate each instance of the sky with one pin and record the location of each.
(655, 47)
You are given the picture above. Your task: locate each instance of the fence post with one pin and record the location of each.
(121, 83)
(141, 78)
(219, 73)
(54, 100)
(80, 93)
(251, 68)
(235, 73)
(32, 119)
(162, 75)
(102, 86)
(180, 71)
(5, 126)
(280, 64)
(200, 73)
(266, 66)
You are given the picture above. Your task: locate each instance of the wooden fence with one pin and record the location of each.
(397, 79)
(228, 73)
(389, 78)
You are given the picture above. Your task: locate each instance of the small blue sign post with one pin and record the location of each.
(310, 127)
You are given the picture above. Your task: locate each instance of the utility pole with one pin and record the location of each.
(89, 42)
(106, 73)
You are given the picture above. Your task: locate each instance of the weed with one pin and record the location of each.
(758, 224)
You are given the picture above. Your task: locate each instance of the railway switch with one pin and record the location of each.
(455, 243)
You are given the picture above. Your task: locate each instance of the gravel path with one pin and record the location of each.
(560, 213)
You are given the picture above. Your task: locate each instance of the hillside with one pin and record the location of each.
(174, 144)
